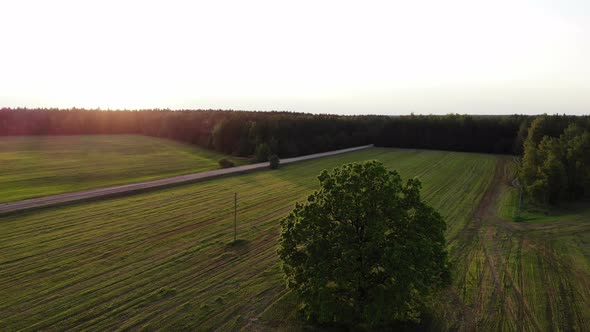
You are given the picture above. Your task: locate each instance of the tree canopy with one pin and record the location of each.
(364, 248)
(556, 160)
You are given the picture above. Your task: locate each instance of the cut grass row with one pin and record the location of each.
(32, 166)
(164, 259)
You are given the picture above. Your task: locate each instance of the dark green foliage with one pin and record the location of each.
(492, 134)
(556, 160)
(225, 163)
(521, 136)
(262, 153)
(287, 134)
(365, 248)
(273, 144)
(227, 137)
(274, 161)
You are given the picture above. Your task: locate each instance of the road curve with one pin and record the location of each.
(128, 188)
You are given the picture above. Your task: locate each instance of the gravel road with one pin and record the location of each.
(129, 188)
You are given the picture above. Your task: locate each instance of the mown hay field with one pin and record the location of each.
(32, 166)
(165, 259)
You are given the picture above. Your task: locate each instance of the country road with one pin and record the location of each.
(128, 188)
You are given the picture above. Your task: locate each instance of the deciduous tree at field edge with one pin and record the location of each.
(365, 249)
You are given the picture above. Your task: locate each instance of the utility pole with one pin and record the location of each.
(235, 216)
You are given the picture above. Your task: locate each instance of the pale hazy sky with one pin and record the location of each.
(350, 57)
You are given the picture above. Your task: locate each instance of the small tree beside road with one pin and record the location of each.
(274, 161)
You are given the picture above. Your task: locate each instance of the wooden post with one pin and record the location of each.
(235, 216)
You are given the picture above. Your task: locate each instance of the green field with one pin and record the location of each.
(532, 275)
(32, 166)
(165, 259)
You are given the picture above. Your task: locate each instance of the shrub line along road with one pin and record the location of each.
(128, 188)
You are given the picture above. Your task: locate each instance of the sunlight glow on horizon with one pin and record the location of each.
(371, 57)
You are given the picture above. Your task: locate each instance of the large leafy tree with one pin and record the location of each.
(365, 248)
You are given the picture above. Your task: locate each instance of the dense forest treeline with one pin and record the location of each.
(556, 149)
(287, 134)
(556, 161)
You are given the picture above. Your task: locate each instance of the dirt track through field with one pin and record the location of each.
(481, 235)
(141, 186)
(492, 290)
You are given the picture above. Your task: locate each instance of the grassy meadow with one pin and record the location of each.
(166, 259)
(544, 260)
(530, 275)
(32, 166)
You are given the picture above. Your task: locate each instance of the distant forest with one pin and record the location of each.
(555, 149)
(287, 134)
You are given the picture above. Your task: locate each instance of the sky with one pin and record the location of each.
(321, 56)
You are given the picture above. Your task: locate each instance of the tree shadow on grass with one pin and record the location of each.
(284, 315)
(564, 210)
(238, 246)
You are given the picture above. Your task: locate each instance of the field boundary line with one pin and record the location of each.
(121, 190)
